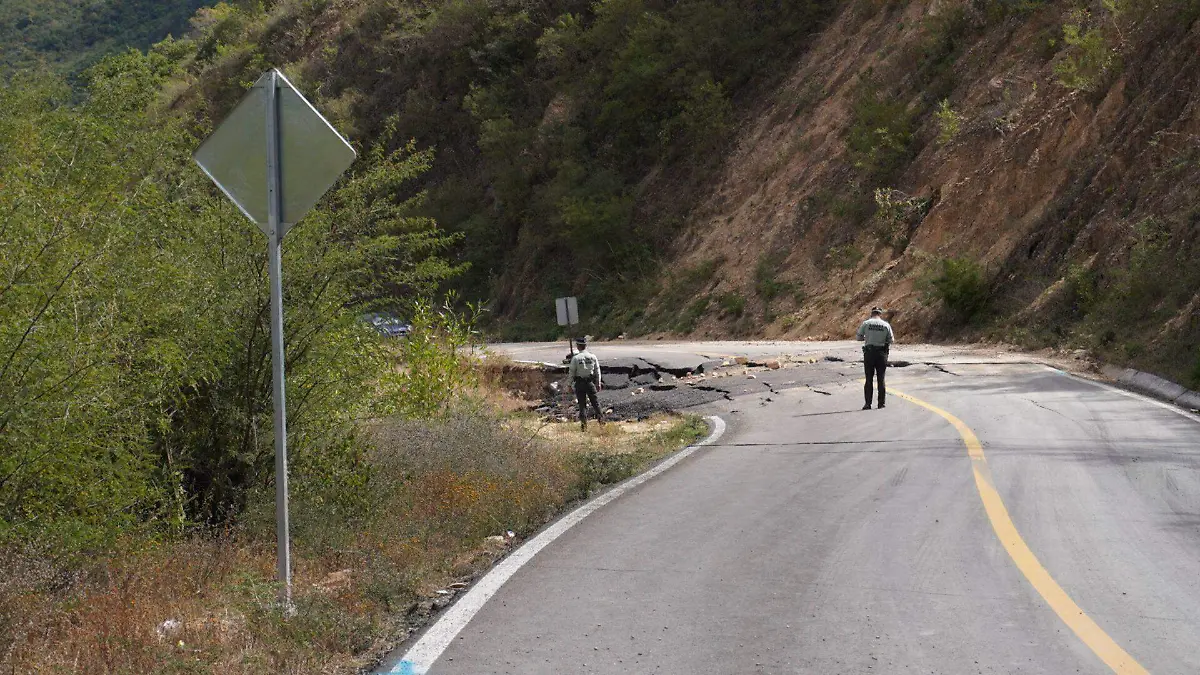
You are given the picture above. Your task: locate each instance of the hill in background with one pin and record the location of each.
(69, 35)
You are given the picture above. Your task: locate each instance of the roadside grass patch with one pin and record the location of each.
(437, 489)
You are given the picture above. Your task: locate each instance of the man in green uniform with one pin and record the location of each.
(584, 376)
(876, 336)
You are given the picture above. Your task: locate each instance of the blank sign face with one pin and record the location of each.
(312, 154)
(567, 310)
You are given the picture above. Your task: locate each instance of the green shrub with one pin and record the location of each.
(161, 417)
(1081, 287)
(691, 316)
(846, 256)
(1089, 56)
(731, 304)
(766, 283)
(1195, 374)
(881, 134)
(949, 122)
(896, 213)
(961, 286)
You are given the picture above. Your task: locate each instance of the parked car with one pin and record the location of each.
(386, 324)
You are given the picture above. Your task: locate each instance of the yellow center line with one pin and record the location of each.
(1092, 634)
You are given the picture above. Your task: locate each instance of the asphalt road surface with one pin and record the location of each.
(1000, 517)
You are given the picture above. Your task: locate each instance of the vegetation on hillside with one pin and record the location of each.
(68, 35)
(136, 452)
(549, 121)
(133, 316)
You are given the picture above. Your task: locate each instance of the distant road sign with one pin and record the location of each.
(312, 154)
(568, 311)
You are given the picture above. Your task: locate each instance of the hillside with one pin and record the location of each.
(1021, 171)
(71, 34)
(1045, 163)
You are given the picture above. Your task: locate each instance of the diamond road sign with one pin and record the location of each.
(312, 154)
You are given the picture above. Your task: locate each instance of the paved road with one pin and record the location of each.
(818, 538)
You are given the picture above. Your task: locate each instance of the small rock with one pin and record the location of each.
(741, 360)
(167, 628)
(751, 377)
(772, 364)
(334, 581)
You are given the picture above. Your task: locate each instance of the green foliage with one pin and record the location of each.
(881, 134)
(897, 213)
(732, 304)
(135, 387)
(1081, 287)
(949, 122)
(546, 123)
(1194, 375)
(846, 256)
(1155, 272)
(73, 34)
(599, 467)
(961, 286)
(436, 368)
(1089, 56)
(691, 316)
(766, 282)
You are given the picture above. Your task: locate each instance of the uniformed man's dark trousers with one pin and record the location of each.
(875, 360)
(585, 391)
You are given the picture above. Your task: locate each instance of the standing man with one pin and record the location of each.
(584, 375)
(876, 336)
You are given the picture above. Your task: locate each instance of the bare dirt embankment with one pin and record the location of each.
(1070, 175)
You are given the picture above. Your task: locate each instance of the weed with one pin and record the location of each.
(1089, 56)
(897, 213)
(949, 122)
(846, 256)
(597, 468)
(731, 304)
(766, 285)
(961, 286)
(1081, 287)
(691, 316)
(881, 134)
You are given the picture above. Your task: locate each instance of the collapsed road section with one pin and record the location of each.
(636, 388)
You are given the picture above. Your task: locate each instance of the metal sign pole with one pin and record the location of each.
(275, 273)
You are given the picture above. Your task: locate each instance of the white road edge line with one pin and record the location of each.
(1128, 394)
(421, 656)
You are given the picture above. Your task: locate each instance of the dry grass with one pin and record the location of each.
(203, 604)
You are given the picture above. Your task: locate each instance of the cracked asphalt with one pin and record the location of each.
(814, 537)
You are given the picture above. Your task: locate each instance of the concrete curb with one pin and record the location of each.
(1153, 385)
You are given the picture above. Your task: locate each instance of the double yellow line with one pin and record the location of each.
(1092, 635)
